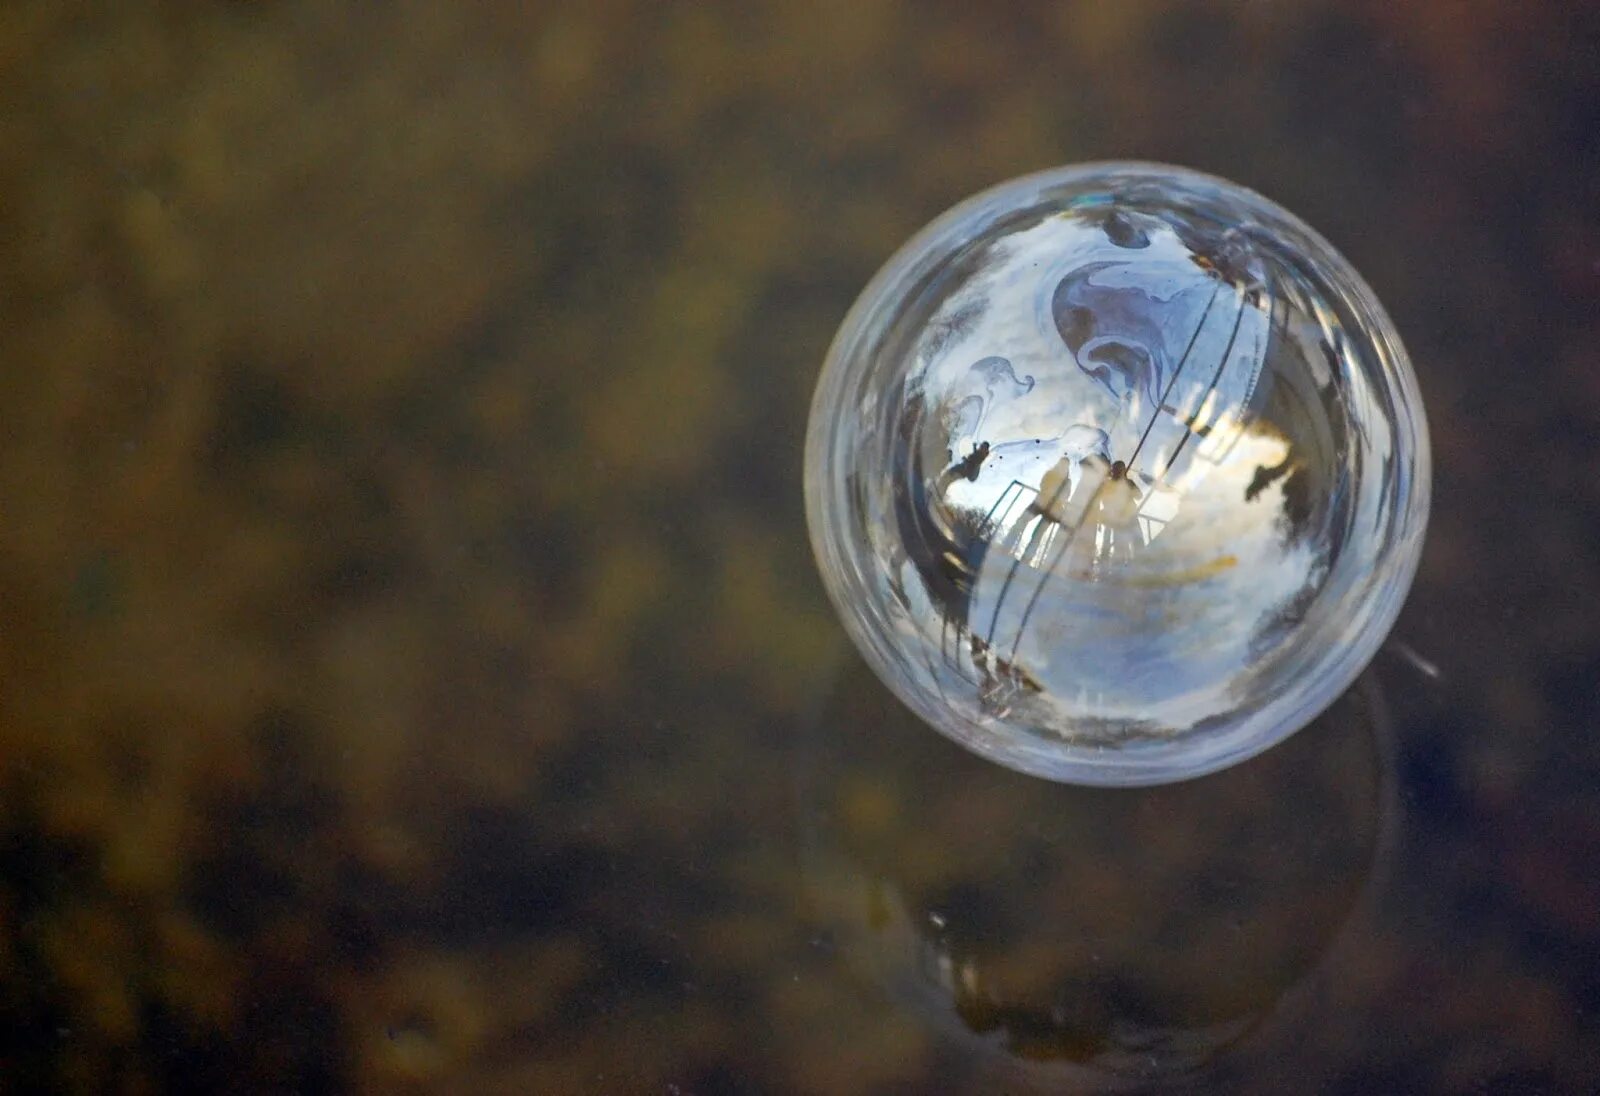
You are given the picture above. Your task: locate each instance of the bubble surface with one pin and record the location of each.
(1117, 474)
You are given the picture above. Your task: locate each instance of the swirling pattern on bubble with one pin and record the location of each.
(1118, 474)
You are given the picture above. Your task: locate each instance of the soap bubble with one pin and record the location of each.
(1117, 474)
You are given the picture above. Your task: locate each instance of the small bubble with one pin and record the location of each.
(1153, 502)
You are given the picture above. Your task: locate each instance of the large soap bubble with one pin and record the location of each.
(1117, 474)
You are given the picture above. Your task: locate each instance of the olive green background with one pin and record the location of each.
(413, 674)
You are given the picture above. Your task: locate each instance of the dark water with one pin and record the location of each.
(413, 676)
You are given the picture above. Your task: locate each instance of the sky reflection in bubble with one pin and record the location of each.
(1117, 474)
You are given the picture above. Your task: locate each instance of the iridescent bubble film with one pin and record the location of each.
(1117, 474)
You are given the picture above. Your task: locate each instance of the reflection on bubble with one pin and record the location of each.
(1059, 934)
(1117, 474)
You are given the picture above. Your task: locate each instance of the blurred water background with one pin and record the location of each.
(413, 675)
